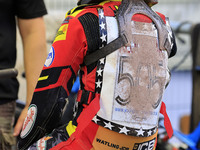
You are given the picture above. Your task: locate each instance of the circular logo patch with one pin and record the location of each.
(29, 121)
(50, 57)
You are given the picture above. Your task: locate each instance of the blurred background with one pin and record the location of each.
(182, 94)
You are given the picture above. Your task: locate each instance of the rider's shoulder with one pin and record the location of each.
(81, 10)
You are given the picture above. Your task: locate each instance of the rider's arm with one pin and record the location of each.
(32, 32)
(55, 82)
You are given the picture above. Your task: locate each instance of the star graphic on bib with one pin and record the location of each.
(99, 72)
(101, 14)
(103, 37)
(155, 130)
(95, 119)
(102, 25)
(149, 133)
(140, 132)
(98, 83)
(102, 60)
(123, 130)
(108, 125)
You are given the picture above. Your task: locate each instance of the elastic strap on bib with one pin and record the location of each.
(167, 122)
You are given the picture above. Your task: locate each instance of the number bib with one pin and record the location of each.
(134, 80)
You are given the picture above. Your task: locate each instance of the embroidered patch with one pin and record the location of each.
(62, 32)
(29, 121)
(50, 57)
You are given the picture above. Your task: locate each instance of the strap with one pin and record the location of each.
(88, 114)
(105, 48)
(167, 122)
(85, 97)
(103, 52)
(83, 121)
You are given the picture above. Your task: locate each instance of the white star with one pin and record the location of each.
(123, 130)
(102, 60)
(102, 25)
(155, 130)
(98, 84)
(108, 125)
(99, 72)
(95, 119)
(103, 37)
(149, 133)
(140, 132)
(101, 14)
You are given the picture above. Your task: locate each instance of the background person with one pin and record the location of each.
(85, 30)
(27, 15)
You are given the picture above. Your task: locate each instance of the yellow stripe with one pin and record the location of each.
(70, 128)
(43, 78)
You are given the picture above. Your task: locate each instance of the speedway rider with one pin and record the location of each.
(120, 96)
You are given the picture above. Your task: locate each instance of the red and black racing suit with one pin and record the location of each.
(78, 36)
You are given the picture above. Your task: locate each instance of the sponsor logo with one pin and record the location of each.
(29, 121)
(50, 57)
(149, 145)
(41, 144)
(111, 145)
(61, 34)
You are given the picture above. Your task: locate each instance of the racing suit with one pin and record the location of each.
(81, 33)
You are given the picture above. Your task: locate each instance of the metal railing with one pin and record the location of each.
(8, 73)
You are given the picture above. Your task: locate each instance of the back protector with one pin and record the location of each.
(135, 75)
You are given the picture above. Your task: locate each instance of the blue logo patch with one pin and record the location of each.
(50, 57)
